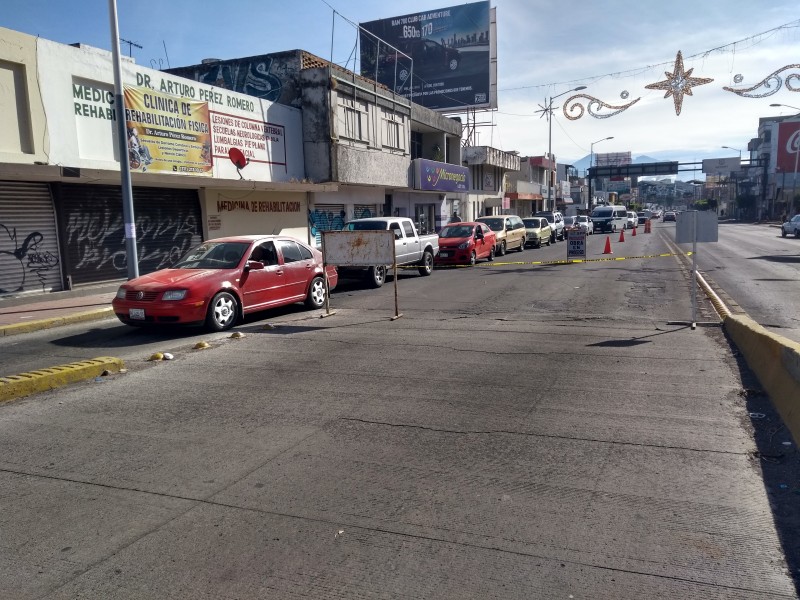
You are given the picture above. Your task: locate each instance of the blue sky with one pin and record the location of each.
(614, 47)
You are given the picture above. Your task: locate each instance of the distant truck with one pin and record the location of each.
(410, 247)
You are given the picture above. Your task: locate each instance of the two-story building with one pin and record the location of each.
(386, 155)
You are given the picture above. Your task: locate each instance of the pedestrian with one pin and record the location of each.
(783, 217)
(455, 218)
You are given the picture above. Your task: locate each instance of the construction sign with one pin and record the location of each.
(576, 243)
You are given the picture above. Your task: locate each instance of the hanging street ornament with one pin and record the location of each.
(678, 83)
(771, 84)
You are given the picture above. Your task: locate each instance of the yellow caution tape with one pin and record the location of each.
(556, 262)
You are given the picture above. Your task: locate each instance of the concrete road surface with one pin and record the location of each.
(519, 433)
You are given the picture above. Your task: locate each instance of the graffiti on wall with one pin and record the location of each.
(95, 238)
(22, 256)
(254, 78)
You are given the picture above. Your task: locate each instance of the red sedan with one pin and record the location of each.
(465, 243)
(221, 280)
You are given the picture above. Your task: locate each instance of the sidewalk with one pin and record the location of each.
(24, 314)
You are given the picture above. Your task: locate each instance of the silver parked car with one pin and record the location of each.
(792, 226)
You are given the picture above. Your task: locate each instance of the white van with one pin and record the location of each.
(609, 217)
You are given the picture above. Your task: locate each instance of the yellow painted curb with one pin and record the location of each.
(89, 315)
(24, 384)
(776, 362)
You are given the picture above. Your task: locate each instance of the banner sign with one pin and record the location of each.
(259, 141)
(450, 52)
(788, 146)
(167, 134)
(721, 166)
(435, 176)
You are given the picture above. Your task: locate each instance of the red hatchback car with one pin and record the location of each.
(465, 243)
(221, 280)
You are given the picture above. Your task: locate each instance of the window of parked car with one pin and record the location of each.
(495, 224)
(290, 251)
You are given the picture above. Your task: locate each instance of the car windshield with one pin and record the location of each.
(583, 219)
(494, 224)
(602, 212)
(213, 255)
(458, 231)
(532, 223)
(366, 226)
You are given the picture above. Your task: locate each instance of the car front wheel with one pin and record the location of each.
(222, 312)
(502, 248)
(316, 293)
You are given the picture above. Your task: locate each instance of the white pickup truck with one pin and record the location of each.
(410, 247)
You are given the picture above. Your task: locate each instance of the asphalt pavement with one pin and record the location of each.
(576, 443)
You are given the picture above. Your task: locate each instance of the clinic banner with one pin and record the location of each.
(167, 134)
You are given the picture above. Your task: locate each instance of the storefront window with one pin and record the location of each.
(425, 218)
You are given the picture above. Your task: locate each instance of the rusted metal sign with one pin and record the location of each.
(358, 248)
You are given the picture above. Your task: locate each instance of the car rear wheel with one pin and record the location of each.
(426, 266)
(491, 254)
(521, 245)
(377, 276)
(316, 293)
(222, 312)
(502, 248)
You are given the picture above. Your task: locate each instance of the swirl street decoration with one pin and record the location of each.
(767, 82)
(593, 106)
(678, 83)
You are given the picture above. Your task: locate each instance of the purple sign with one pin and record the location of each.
(440, 177)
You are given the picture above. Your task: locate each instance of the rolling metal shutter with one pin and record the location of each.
(29, 257)
(168, 224)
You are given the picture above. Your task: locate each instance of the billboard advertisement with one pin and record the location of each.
(449, 49)
(612, 159)
(788, 147)
(167, 134)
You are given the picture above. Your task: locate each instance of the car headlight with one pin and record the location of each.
(174, 295)
(121, 293)
(464, 246)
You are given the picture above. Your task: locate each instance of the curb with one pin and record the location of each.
(776, 362)
(81, 317)
(24, 384)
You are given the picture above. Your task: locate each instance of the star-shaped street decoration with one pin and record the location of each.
(678, 83)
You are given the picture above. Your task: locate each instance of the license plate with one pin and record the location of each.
(136, 313)
(444, 254)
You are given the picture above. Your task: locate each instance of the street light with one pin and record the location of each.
(591, 164)
(792, 146)
(549, 111)
(735, 150)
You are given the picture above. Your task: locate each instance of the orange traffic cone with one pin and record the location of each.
(608, 246)
(622, 235)
(634, 232)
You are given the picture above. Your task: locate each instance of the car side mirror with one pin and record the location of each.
(253, 265)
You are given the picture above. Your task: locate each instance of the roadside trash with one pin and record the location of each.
(269, 326)
(338, 533)
(123, 370)
(99, 379)
(202, 345)
(755, 415)
(168, 356)
(156, 356)
(237, 335)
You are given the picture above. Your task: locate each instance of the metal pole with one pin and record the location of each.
(550, 155)
(790, 204)
(694, 269)
(122, 142)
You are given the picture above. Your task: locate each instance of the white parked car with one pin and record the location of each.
(585, 224)
(633, 220)
(791, 227)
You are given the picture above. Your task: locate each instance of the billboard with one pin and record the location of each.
(788, 146)
(167, 134)
(450, 56)
(721, 166)
(612, 159)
